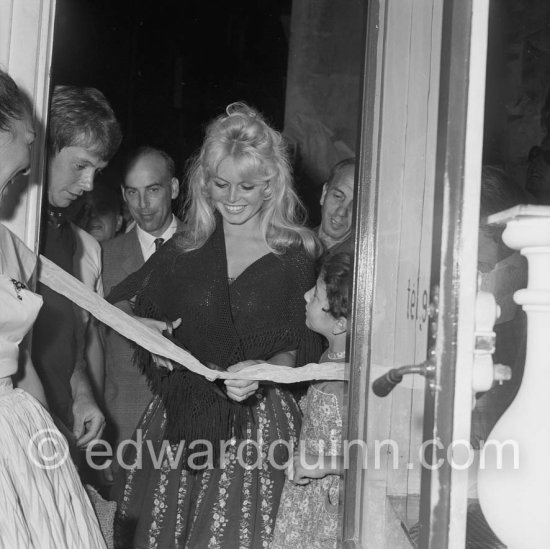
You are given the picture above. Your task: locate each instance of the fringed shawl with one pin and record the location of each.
(261, 314)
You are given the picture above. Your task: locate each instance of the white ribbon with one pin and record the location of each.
(63, 283)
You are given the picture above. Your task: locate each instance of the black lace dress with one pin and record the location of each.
(232, 501)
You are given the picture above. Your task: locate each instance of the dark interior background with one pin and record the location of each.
(169, 66)
(517, 106)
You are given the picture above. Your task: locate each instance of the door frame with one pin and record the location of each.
(458, 184)
(365, 222)
(458, 170)
(26, 41)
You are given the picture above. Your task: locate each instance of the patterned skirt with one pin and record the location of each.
(43, 504)
(162, 505)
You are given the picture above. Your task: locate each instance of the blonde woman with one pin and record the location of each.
(235, 277)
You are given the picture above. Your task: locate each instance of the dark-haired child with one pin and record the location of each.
(308, 512)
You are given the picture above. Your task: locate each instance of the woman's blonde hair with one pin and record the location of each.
(259, 154)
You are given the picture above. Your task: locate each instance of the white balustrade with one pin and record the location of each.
(514, 475)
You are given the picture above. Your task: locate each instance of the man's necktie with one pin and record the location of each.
(158, 243)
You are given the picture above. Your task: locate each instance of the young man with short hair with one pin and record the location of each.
(84, 134)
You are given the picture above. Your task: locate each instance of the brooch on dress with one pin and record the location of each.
(18, 287)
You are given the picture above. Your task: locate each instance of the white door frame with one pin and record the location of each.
(26, 38)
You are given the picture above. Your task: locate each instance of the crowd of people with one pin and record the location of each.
(237, 278)
(233, 278)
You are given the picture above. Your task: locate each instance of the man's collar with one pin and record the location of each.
(148, 239)
(328, 241)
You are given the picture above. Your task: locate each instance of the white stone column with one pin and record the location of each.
(514, 476)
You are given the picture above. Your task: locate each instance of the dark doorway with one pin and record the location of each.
(167, 67)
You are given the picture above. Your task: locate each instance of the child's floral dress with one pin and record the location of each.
(308, 514)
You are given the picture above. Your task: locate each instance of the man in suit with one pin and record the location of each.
(149, 187)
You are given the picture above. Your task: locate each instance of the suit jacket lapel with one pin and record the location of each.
(132, 257)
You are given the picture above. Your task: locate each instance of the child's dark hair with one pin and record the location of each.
(335, 273)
